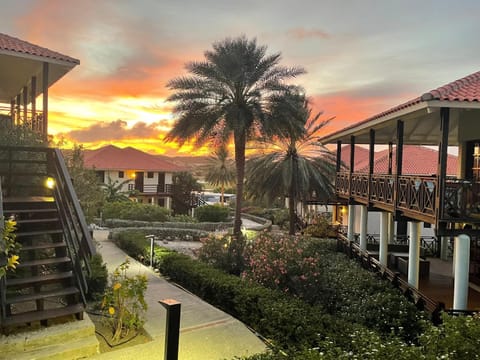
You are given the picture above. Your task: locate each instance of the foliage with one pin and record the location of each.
(278, 216)
(211, 213)
(124, 301)
(203, 226)
(184, 183)
(293, 163)
(286, 321)
(456, 338)
(85, 183)
(113, 190)
(220, 170)
(223, 253)
(228, 95)
(130, 210)
(98, 278)
(321, 227)
(20, 135)
(182, 218)
(9, 248)
(279, 262)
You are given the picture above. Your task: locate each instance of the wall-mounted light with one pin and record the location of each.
(50, 183)
(343, 210)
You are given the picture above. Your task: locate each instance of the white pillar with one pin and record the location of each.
(414, 253)
(444, 247)
(461, 255)
(363, 227)
(351, 223)
(383, 248)
(391, 228)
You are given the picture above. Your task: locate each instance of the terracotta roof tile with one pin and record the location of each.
(9, 43)
(111, 157)
(417, 160)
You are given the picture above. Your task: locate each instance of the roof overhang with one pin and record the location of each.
(421, 124)
(19, 68)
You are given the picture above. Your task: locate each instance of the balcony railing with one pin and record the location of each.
(152, 188)
(415, 195)
(31, 120)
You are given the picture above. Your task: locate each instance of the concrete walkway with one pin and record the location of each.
(205, 331)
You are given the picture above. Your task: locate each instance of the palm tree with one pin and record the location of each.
(220, 170)
(293, 164)
(228, 95)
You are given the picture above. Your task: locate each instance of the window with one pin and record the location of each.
(150, 174)
(121, 174)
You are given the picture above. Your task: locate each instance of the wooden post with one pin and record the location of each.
(44, 128)
(390, 158)
(398, 160)
(339, 156)
(24, 103)
(442, 160)
(371, 163)
(352, 166)
(33, 100)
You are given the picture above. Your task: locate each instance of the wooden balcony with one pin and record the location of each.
(152, 188)
(414, 196)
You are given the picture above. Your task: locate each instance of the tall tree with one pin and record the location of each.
(220, 170)
(293, 163)
(184, 183)
(228, 95)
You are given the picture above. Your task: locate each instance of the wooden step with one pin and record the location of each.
(43, 295)
(31, 316)
(39, 232)
(43, 246)
(40, 262)
(37, 221)
(40, 279)
(26, 211)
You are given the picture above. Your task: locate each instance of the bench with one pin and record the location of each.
(424, 267)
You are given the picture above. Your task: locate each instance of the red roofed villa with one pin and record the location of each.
(149, 175)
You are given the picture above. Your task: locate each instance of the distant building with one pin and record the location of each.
(149, 175)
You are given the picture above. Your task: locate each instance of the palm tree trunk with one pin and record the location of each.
(291, 211)
(222, 197)
(239, 139)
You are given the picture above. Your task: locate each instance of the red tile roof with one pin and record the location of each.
(418, 160)
(111, 157)
(466, 89)
(12, 44)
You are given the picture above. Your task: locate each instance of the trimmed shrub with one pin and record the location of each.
(212, 213)
(98, 279)
(224, 253)
(165, 233)
(129, 210)
(204, 226)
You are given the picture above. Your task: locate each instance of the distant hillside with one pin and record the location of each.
(194, 164)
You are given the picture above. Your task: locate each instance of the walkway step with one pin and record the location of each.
(43, 246)
(39, 232)
(32, 316)
(40, 262)
(71, 340)
(40, 279)
(43, 295)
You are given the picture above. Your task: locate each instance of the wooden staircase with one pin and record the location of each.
(43, 286)
(50, 280)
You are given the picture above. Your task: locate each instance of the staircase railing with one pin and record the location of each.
(76, 232)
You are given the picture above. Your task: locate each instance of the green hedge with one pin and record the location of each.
(129, 210)
(287, 321)
(164, 233)
(203, 226)
(212, 213)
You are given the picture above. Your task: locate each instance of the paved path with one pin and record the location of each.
(205, 331)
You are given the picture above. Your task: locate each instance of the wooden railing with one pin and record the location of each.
(3, 259)
(157, 189)
(416, 195)
(29, 119)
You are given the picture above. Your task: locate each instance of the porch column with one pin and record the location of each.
(444, 247)
(168, 203)
(414, 253)
(462, 261)
(442, 160)
(363, 227)
(391, 228)
(45, 100)
(383, 249)
(351, 223)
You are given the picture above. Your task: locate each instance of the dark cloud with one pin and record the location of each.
(115, 130)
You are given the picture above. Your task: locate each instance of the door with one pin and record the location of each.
(139, 181)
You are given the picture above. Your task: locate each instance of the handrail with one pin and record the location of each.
(77, 235)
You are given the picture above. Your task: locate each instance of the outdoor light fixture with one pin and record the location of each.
(343, 210)
(50, 183)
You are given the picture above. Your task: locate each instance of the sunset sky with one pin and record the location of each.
(361, 56)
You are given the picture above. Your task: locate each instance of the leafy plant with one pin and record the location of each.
(129, 210)
(98, 278)
(124, 301)
(9, 248)
(223, 253)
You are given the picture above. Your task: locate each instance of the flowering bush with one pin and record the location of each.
(223, 252)
(280, 262)
(8, 248)
(124, 301)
